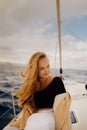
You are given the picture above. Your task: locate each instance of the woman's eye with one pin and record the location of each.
(41, 68)
(48, 66)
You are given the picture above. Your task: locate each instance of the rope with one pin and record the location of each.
(5, 113)
(5, 93)
(73, 33)
(55, 57)
(13, 104)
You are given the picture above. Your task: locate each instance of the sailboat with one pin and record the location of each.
(79, 97)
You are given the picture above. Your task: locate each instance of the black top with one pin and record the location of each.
(45, 98)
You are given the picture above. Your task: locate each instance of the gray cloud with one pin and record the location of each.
(16, 15)
(27, 26)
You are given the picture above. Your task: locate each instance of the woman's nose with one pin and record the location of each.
(46, 70)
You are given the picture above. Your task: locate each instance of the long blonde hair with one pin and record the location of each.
(31, 82)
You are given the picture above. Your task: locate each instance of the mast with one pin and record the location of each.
(59, 33)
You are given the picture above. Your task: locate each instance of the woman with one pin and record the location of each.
(36, 97)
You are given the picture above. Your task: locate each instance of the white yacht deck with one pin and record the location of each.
(79, 104)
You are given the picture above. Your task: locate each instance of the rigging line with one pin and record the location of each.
(13, 107)
(72, 32)
(55, 56)
(13, 104)
(5, 113)
(8, 92)
(5, 93)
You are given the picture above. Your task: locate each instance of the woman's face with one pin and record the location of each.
(44, 67)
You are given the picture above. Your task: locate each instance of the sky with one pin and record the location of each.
(28, 26)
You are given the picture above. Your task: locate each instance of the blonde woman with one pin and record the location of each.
(36, 97)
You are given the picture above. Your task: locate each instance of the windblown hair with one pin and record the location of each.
(31, 82)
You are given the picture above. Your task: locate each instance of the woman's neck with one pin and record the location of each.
(44, 82)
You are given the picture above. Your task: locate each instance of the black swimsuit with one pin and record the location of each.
(45, 98)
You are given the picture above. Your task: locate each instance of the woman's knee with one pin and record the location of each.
(41, 121)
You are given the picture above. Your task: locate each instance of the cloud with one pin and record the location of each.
(74, 53)
(16, 15)
(27, 26)
(73, 8)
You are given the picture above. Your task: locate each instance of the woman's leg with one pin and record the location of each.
(8, 127)
(41, 121)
